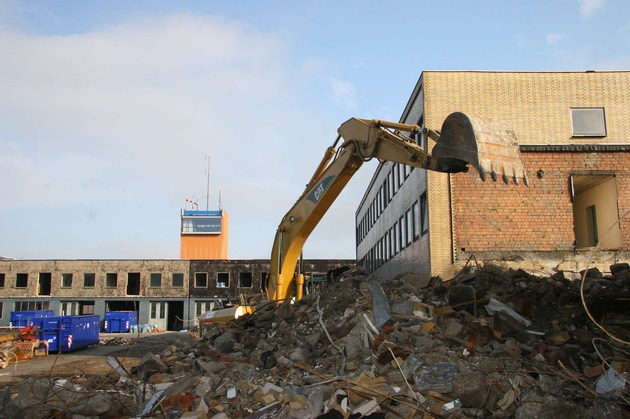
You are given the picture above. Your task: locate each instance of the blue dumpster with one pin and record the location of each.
(52, 337)
(120, 321)
(79, 332)
(69, 333)
(47, 323)
(27, 318)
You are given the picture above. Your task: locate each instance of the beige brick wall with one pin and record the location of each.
(537, 106)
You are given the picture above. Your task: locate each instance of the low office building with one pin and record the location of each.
(573, 134)
(169, 294)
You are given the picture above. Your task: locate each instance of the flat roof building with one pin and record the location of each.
(573, 130)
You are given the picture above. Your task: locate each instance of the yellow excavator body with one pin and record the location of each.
(489, 146)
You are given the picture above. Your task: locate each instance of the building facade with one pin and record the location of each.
(169, 294)
(573, 134)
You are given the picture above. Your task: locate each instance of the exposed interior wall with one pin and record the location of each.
(600, 201)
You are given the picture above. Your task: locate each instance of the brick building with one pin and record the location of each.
(573, 133)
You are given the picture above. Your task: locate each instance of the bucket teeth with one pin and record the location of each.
(489, 146)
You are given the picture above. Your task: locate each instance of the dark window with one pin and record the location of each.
(424, 214)
(133, 283)
(178, 280)
(31, 305)
(409, 227)
(155, 280)
(111, 280)
(415, 216)
(66, 280)
(2, 280)
(245, 280)
(392, 184)
(45, 283)
(201, 280)
(223, 280)
(401, 232)
(1, 308)
(21, 280)
(89, 279)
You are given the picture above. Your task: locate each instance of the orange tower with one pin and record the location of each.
(204, 235)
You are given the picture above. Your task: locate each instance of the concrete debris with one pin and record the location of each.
(492, 343)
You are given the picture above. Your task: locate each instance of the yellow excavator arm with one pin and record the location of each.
(487, 145)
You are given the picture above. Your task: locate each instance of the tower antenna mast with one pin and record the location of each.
(207, 183)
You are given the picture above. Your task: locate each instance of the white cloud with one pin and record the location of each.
(588, 8)
(95, 115)
(343, 92)
(120, 120)
(555, 38)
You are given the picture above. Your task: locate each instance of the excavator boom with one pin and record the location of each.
(487, 145)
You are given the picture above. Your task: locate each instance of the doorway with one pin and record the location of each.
(595, 211)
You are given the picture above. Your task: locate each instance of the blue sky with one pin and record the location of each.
(108, 109)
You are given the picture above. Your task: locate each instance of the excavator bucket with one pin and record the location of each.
(488, 145)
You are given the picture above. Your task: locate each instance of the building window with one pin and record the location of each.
(89, 279)
(424, 214)
(2, 275)
(155, 280)
(1, 308)
(21, 280)
(178, 280)
(408, 227)
(201, 280)
(154, 310)
(69, 308)
(86, 307)
(401, 232)
(133, 283)
(203, 306)
(111, 280)
(392, 182)
(415, 215)
(245, 280)
(66, 280)
(223, 280)
(391, 240)
(31, 305)
(588, 122)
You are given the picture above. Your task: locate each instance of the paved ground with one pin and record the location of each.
(91, 361)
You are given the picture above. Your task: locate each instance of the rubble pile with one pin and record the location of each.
(489, 342)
